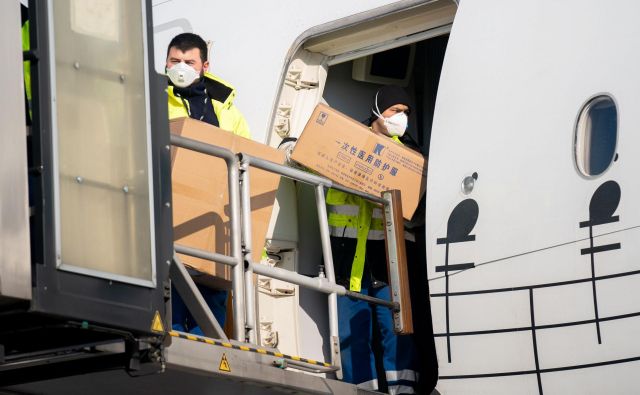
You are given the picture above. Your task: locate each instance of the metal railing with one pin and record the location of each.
(241, 259)
(236, 259)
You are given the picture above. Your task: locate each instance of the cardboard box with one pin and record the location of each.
(201, 197)
(349, 153)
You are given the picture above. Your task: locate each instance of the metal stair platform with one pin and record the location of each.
(197, 367)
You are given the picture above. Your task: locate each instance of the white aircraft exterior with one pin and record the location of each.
(531, 228)
(242, 30)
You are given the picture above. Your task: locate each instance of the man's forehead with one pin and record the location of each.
(175, 52)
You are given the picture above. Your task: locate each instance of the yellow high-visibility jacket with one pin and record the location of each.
(356, 218)
(27, 64)
(222, 94)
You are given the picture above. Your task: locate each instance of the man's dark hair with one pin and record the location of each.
(187, 41)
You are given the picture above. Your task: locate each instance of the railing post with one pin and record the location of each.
(397, 262)
(331, 277)
(236, 250)
(245, 193)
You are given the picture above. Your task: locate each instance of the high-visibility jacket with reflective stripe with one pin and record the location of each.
(356, 218)
(222, 95)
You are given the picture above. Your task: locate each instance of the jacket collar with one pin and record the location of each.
(218, 89)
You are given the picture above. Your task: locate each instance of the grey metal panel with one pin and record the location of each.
(88, 298)
(15, 259)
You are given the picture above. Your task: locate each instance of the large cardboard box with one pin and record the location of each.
(201, 197)
(349, 153)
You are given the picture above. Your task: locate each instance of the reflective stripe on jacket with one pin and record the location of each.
(355, 218)
(222, 95)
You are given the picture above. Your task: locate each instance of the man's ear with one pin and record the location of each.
(205, 66)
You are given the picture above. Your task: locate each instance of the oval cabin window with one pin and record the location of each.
(596, 135)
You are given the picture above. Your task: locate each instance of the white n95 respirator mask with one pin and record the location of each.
(182, 75)
(396, 124)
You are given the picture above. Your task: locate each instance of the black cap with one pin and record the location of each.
(390, 95)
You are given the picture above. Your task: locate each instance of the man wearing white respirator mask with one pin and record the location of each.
(196, 93)
(390, 113)
(358, 249)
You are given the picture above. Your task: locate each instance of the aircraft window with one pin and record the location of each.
(596, 135)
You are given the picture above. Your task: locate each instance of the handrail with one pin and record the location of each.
(318, 284)
(209, 256)
(305, 177)
(241, 258)
(237, 281)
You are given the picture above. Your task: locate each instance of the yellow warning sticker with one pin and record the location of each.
(156, 323)
(224, 364)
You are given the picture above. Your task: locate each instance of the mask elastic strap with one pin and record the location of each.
(378, 114)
